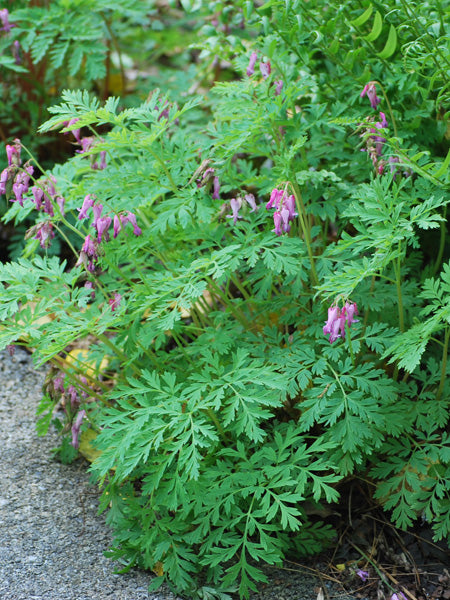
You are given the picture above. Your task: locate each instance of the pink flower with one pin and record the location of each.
(5, 176)
(4, 18)
(60, 201)
(38, 195)
(102, 226)
(216, 189)
(277, 219)
(278, 87)
(97, 209)
(88, 203)
(384, 122)
(18, 189)
(71, 390)
(89, 247)
(75, 132)
(338, 318)
(250, 199)
(44, 233)
(13, 152)
(364, 575)
(265, 69)
(235, 205)
(114, 302)
(76, 428)
(131, 218)
(117, 225)
(275, 197)
(371, 92)
(58, 384)
(251, 64)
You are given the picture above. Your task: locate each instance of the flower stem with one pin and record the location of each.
(303, 217)
(349, 343)
(391, 114)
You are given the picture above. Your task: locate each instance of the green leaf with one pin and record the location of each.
(391, 44)
(444, 166)
(376, 28)
(363, 18)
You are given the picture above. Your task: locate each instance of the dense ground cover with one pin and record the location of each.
(239, 269)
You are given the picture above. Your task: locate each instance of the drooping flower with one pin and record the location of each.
(251, 64)
(72, 391)
(88, 203)
(5, 176)
(216, 189)
(117, 225)
(277, 222)
(131, 218)
(76, 132)
(19, 189)
(4, 18)
(265, 69)
(235, 205)
(90, 247)
(383, 121)
(371, 92)
(285, 210)
(250, 199)
(363, 575)
(86, 144)
(38, 195)
(102, 226)
(278, 86)
(76, 428)
(60, 201)
(115, 302)
(13, 153)
(97, 210)
(44, 233)
(338, 318)
(275, 197)
(58, 384)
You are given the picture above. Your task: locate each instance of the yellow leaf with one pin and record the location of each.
(158, 569)
(340, 567)
(86, 448)
(79, 358)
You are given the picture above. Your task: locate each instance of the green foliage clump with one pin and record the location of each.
(221, 411)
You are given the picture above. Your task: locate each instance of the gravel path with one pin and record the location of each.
(51, 538)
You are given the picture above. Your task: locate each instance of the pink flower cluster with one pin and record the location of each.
(338, 318)
(265, 69)
(86, 143)
(205, 180)
(371, 92)
(44, 194)
(19, 177)
(101, 223)
(374, 142)
(236, 205)
(284, 210)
